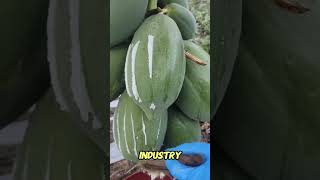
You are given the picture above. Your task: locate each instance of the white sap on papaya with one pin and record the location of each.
(155, 65)
(133, 131)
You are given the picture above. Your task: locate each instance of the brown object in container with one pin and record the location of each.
(191, 160)
(187, 159)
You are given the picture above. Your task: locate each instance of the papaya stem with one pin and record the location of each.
(163, 11)
(153, 12)
(152, 5)
(195, 59)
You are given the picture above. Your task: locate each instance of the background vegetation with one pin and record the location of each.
(201, 10)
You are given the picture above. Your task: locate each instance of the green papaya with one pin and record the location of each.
(24, 75)
(226, 31)
(183, 3)
(125, 18)
(184, 18)
(269, 119)
(54, 148)
(22, 27)
(226, 168)
(117, 62)
(155, 65)
(181, 129)
(134, 132)
(194, 97)
(77, 42)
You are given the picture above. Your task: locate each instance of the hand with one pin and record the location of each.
(183, 172)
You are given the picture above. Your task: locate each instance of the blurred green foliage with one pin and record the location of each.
(201, 10)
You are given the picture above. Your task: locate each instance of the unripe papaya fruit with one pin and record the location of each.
(181, 129)
(194, 98)
(183, 3)
(55, 148)
(227, 168)
(184, 19)
(125, 17)
(22, 27)
(117, 62)
(268, 122)
(24, 85)
(227, 16)
(24, 75)
(77, 55)
(155, 65)
(134, 132)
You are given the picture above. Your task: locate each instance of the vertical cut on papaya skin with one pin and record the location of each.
(77, 41)
(54, 148)
(155, 65)
(133, 131)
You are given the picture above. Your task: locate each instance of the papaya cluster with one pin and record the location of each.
(267, 89)
(65, 138)
(163, 93)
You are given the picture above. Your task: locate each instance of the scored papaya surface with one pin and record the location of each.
(155, 65)
(77, 41)
(133, 131)
(54, 148)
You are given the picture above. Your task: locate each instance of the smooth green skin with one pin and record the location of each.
(134, 132)
(168, 65)
(226, 31)
(117, 61)
(181, 129)
(55, 148)
(77, 42)
(184, 18)
(183, 3)
(194, 97)
(269, 120)
(125, 18)
(22, 26)
(226, 168)
(24, 73)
